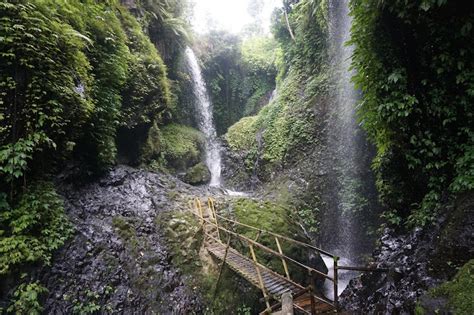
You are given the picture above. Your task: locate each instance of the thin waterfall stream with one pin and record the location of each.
(205, 120)
(345, 142)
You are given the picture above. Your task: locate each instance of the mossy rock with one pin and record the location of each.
(242, 136)
(182, 146)
(184, 238)
(198, 174)
(276, 218)
(453, 297)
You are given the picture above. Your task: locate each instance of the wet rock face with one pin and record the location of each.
(118, 260)
(396, 291)
(418, 261)
(234, 171)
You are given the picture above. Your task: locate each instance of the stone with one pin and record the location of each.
(197, 175)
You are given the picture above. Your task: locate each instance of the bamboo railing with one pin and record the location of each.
(286, 260)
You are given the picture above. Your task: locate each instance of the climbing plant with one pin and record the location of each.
(414, 65)
(71, 74)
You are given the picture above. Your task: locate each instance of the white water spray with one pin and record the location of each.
(205, 121)
(344, 144)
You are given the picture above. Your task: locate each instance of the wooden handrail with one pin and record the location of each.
(260, 279)
(285, 267)
(279, 254)
(213, 215)
(269, 270)
(321, 251)
(271, 251)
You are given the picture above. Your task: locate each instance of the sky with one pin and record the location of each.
(230, 15)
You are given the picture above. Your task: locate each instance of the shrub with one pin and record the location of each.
(33, 229)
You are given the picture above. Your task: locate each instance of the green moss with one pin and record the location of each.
(126, 231)
(152, 146)
(263, 214)
(198, 174)
(459, 291)
(184, 238)
(242, 135)
(269, 216)
(182, 146)
(419, 310)
(286, 124)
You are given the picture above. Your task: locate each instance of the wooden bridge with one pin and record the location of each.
(306, 299)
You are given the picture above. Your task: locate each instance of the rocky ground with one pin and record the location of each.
(418, 261)
(118, 259)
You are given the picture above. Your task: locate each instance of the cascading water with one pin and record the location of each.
(345, 100)
(205, 120)
(350, 153)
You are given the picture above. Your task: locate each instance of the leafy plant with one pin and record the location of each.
(415, 68)
(26, 299)
(33, 229)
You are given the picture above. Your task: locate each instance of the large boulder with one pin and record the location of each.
(197, 175)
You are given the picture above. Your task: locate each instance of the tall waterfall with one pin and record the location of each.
(353, 190)
(344, 142)
(205, 120)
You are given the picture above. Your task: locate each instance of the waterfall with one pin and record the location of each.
(205, 120)
(353, 185)
(344, 141)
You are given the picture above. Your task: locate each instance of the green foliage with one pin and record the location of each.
(146, 93)
(89, 302)
(240, 75)
(415, 69)
(307, 52)
(419, 310)
(272, 217)
(241, 135)
(102, 72)
(459, 291)
(33, 229)
(309, 218)
(41, 62)
(167, 26)
(26, 299)
(71, 73)
(286, 125)
(109, 59)
(181, 146)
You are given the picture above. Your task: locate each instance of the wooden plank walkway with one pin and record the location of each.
(275, 284)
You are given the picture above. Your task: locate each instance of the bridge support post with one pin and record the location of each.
(283, 261)
(286, 304)
(222, 266)
(311, 291)
(336, 302)
(212, 209)
(197, 204)
(260, 279)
